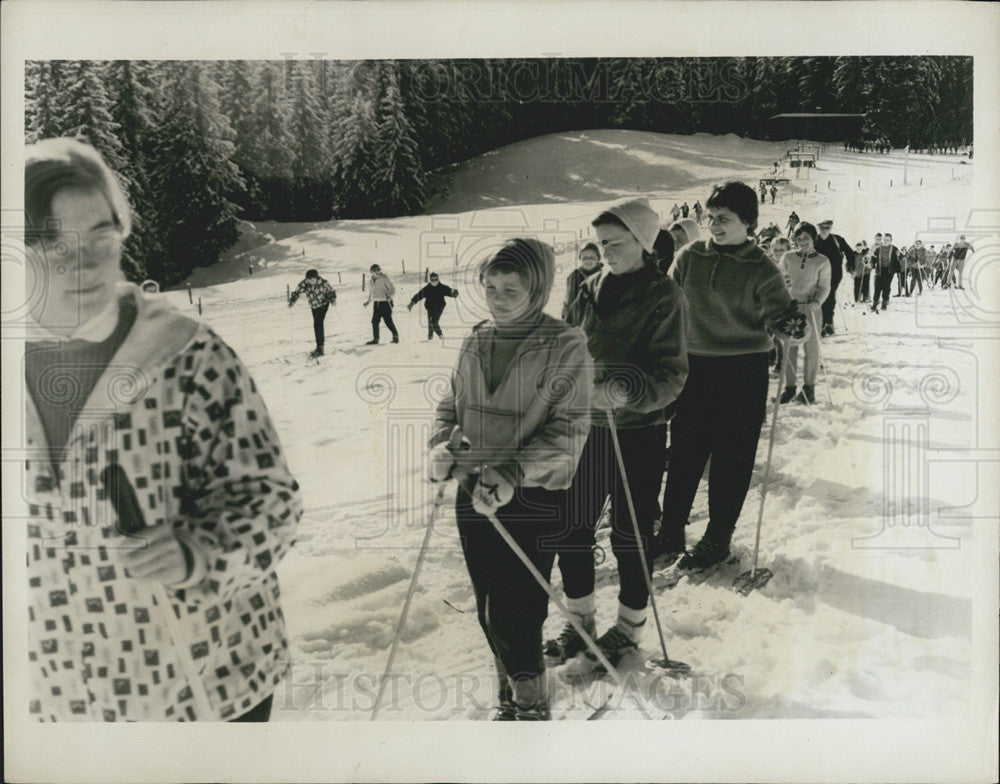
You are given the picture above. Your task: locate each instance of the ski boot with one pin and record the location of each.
(614, 644)
(702, 556)
(807, 395)
(787, 395)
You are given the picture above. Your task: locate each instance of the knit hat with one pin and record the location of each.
(535, 261)
(825, 224)
(639, 218)
(688, 226)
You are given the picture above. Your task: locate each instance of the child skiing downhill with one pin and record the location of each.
(807, 276)
(735, 294)
(433, 295)
(380, 292)
(321, 295)
(520, 395)
(636, 324)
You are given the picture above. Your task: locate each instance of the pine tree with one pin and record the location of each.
(193, 175)
(132, 110)
(310, 150)
(238, 81)
(43, 100)
(86, 112)
(399, 186)
(351, 143)
(267, 155)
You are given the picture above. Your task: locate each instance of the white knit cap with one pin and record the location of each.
(639, 218)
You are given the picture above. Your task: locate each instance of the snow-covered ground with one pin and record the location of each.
(880, 514)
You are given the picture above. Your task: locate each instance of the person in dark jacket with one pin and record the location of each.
(735, 294)
(884, 260)
(590, 262)
(321, 295)
(636, 325)
(836, 249)
(433, 295)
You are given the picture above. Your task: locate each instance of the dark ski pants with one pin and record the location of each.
(719, 415)
(319, 314)
(857, 288)
(382, 311)
(512, 607)
(597, 475)
(830, 303)
(866, 285)
(433, 327)
(916, 280)
(883, 284)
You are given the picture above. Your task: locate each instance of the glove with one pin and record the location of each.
(410, 306)
(491, 492)
(792, 327)
(609, 395)
(442, 464)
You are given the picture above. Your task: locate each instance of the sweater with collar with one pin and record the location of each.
(735, 294)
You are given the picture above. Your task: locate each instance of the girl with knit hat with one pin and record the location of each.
(636, 325)
(735, 294)
(520, 396)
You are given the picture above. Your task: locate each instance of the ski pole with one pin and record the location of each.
(547, 587)
(746, 581)
(454, 441)
(666, 664)
(819, 359)
(438, 499)
(131, 522)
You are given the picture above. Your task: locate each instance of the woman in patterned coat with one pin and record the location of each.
(159, 499)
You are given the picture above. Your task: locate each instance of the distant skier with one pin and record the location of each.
(884, 259)
(433, 295)
(958, 253)
(321, 295)
(380, 292)
(675, 212)
(836, 249)
(685, 210)
(520, 395)
(590, 262)
(698, 212)
(774, 192)
(807, 275)
(793, 221)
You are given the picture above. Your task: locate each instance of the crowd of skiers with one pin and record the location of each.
(911, 267)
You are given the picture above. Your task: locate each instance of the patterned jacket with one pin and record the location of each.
(318, 291)
(180, 414)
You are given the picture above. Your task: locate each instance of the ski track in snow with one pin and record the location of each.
(850, 625)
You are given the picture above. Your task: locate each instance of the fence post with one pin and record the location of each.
(340, 278)
(288, 293)
(191, 300)
(403, 264)
(250, 269)
(199, 306)
(427, 272)
(890, 183)
(362, 283)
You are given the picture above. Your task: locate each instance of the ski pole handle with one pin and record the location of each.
(131, 521)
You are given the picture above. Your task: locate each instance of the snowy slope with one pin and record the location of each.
(868, 523)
